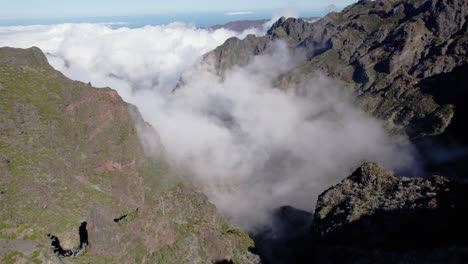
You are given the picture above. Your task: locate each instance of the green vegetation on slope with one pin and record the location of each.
(70, 153)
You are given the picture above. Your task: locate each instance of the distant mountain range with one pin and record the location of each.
(242, 25)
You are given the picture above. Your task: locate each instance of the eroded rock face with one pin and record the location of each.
(372, 214)
(71, 153)
(370, 190)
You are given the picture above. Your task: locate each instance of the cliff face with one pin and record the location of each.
(381, 50)
(70, 153)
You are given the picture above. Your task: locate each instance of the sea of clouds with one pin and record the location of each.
(249, 146)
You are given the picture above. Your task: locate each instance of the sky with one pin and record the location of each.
(32, 9)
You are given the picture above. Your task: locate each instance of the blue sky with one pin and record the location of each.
(20, 9)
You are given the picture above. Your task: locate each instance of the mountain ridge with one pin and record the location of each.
(366, 47)
(71, 153)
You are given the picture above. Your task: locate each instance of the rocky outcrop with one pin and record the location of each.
(372, 214)
(235, 52)
(371, 190)
(71, 153)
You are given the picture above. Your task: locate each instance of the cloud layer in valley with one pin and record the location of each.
(249, 146)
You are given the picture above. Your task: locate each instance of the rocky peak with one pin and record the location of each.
(292, 30)
(371, 191)
(276, 25)
(32, 57)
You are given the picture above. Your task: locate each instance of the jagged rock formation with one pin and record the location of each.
(381, 50)
(71, 153)
(373, 215)
(370, 190)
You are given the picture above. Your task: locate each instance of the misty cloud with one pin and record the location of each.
(249, 146)
(239, 13)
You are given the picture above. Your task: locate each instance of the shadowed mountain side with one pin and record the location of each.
(288, 239)
(447, 153)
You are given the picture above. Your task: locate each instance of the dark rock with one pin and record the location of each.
(288, 239)
(372, 214)
(368, 190)
(447, 153)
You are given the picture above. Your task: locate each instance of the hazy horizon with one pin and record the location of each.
(201, 19)
(55, 9)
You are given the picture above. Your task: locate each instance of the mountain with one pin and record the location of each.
(73, 169)
(241, 25)
(383, 50)
(405, 61)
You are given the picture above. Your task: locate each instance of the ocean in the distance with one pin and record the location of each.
(198, 19)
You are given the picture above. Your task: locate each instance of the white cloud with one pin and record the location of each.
(250, 146)
(239, 13)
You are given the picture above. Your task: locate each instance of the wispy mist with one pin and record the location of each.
(249, 146)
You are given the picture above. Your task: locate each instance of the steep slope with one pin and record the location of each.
(381, 50)
(70, 153)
